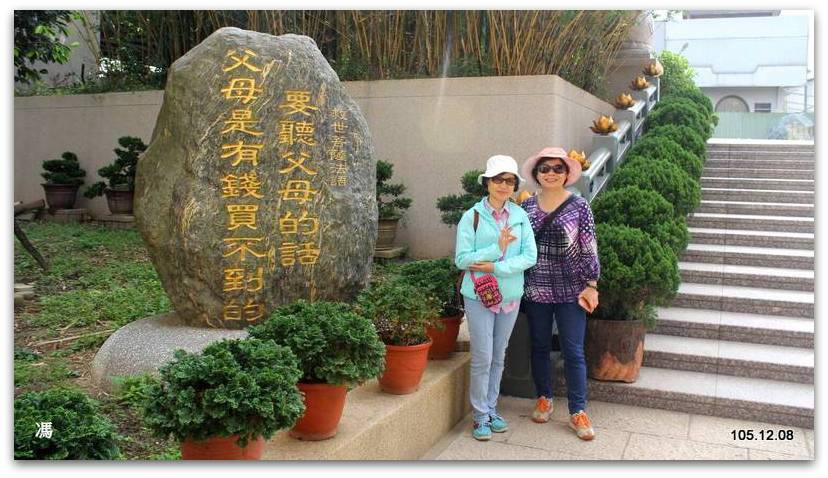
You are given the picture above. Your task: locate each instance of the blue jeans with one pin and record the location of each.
(571, 320)
(488, 337)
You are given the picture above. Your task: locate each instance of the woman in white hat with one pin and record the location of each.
(494, 239)
(563, 285)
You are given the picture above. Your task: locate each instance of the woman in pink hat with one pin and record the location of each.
(563, 285)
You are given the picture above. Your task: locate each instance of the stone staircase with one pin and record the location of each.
(738, 340)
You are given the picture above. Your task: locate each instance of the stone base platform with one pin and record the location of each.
(117, 221)
(146, 344)
(66, 216)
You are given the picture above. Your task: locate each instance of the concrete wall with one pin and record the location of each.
(750, 95)
(432, 130)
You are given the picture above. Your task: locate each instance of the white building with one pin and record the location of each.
(745, 61)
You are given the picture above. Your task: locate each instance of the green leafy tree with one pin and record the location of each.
(78, 430)
(334, 344)
(37, 38)
(121, 173)
(389, 204)
(66, 170)
(453, 206)
(678, 75)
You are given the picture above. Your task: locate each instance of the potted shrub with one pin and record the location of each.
(389, 205)
(660, 147)
(63, 179)
(438, 278)
(453, 206)
(637, 274)
(687, 137)
(75, 430)
(222, 403)
(680, 111)
(400, 312)
(336, 349)
(121, 176)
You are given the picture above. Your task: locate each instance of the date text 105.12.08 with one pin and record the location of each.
(763, 434)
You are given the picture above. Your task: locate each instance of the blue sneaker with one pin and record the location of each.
(482, 431)
(497, 423)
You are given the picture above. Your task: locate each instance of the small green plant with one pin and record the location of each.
(664, 177)
(687, 137)
(680, 111)
(389, 204)
(78, 430)
(637, 274)
(453, 206)
(438, 278)
(643, 209)
(242, 386)
(661, 148)
(678, 75)
(66, 171)
(400, 311)
(334, 344)
(121, 173)
(133, 390)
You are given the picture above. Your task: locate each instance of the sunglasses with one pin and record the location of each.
(499, 180)
(556, 168)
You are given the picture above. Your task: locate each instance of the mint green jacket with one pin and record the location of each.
(521, 254)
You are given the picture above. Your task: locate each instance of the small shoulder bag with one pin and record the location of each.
(485, 287)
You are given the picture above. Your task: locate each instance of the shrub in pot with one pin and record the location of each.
(643, 209)
(400, 312)
(686, 136)
(390, 206)
(336, 348)
(637, 274)
(664, 177)
(121, 175)
(661, 148)
(224, 402)
(78, 430)
(438, 278)
(680, 111)
(63, 179)
(453, 206)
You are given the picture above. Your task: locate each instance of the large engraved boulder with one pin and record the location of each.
(258, 187)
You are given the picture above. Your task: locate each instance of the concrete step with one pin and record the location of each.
(736, 326)
(807, 164)
(772, 401)
(750, 207)
(728, 144)
(749, 256)
(757, 195)
(745, 238)
(780, 156)
(749, 300)
(773, 362)
(751, 222)
(378, 426)
(781, 172)
(754, 183)
(745, 276)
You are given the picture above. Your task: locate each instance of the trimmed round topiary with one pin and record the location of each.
(680, 111)
(696, 96)
(64, 171)
(687, 137)
(664, 177)
(643, 209)
(78, 430)
(241, 386)
(439, 278)
(399, 310)
(659, 147)
(334, 344)
(637, 274)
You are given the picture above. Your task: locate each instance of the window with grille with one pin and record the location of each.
(761, 107)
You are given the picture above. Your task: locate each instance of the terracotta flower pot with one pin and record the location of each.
(614, 349)
(323, 409)
(222, 448)
(60, 196)
(444, 341)
(119, 202)
(404, 367)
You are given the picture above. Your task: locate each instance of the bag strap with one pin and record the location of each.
(463, 272)
(552, 215)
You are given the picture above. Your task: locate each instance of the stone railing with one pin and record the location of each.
(609, 150)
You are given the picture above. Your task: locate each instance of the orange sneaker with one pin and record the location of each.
(542, 411)
(582, 426)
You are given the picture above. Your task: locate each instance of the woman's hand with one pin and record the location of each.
(505, 238)
(588, 299)
(482, 267)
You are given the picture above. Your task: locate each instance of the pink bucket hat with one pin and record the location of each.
(551, 152)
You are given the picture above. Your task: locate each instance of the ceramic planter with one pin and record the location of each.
(614, 349)
(222, 448)
(444, 341)
(323, 410)
(404, 367)
(60, 196)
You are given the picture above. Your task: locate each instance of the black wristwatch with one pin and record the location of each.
(592, 286)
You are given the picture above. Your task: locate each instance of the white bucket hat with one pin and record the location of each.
(500, 163)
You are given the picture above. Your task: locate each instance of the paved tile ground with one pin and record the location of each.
(623, 432)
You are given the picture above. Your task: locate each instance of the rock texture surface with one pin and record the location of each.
(258, 187)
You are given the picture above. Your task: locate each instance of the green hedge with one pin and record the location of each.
(690, 139)
(643, 209)
(662, 148)
(696, 96)
(664, 177)
(680, 111)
